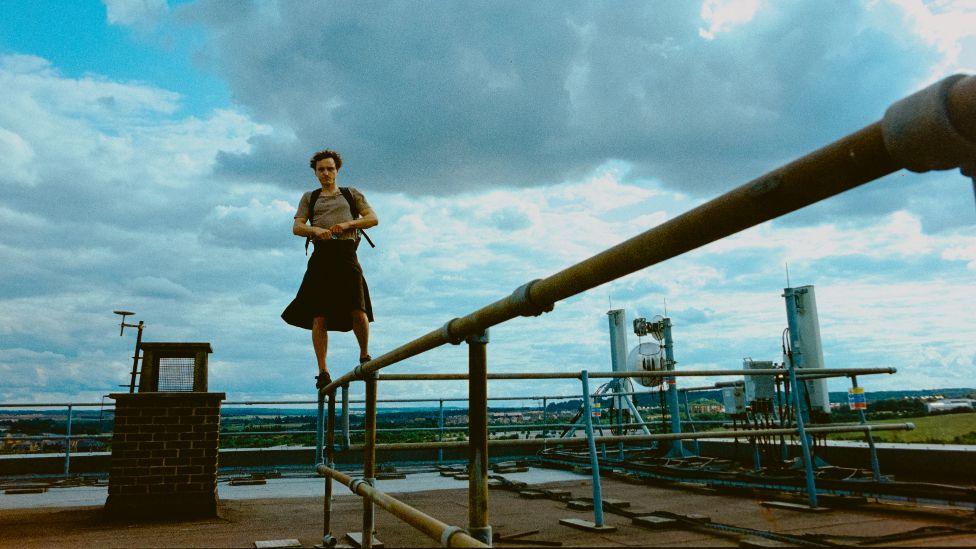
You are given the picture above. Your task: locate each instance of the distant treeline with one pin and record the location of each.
(645, 399)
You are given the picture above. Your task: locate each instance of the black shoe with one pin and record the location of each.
(322, 380)
(365, 359)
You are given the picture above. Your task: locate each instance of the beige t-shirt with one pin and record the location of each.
(333, 209)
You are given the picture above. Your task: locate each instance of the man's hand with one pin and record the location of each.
(340, 228)
(321, 234)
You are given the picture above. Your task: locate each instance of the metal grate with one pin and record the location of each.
(175, 374)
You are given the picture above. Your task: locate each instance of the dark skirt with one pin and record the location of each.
(333, 287)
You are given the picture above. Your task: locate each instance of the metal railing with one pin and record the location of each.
(934, 129)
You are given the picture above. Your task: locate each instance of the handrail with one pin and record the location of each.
(929, 130)
(447, 536)
(820, 372)
(919, 132)
(738, 433)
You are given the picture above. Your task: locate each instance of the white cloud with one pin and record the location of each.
(17, 157)
(143, 222)
(128, 12)
(947, 25)
(724, 15)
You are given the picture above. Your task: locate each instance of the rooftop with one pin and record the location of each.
(291, 508)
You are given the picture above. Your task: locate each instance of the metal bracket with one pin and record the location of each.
(449, 334)
(354, 485)
(362, 374)
(448, 532)
(919, 134)
(524, 303)
(479, 337)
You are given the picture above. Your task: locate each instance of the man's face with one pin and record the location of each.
(325, 171)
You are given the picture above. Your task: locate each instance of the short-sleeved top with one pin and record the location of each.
(333, 209)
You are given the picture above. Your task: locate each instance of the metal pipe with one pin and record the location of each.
(54, 437)
(545, 407)
(328, 540)
(319, 426)
(67, 444)
(448, 536)
(478, 525)
(53, 404)
(677, 447)
(796, 361)
(718, 434)
(440, 430)
(594, 461)
(875, 466)
(345, 416)
(826, 372)
(691, 423)
(369, 459)
(832, 372)
(840, 166)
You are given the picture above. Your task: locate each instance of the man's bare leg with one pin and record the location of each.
(320, 342)
(360, 327)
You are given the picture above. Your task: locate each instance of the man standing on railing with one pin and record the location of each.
(333, 295)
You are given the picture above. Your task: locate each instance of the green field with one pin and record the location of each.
(940, 429)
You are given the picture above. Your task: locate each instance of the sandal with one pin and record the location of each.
(322, 380)
(365, 359)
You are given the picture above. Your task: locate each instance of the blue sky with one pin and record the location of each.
(154, 155)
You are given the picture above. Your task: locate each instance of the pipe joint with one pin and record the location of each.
(523, 301)
(354, 485)
(447, 533)
(478, 337)
(920, 133)
(450, 333)
(363, 373)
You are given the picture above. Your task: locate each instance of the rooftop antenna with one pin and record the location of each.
(665, 306)
(787, 263)
(135, 355)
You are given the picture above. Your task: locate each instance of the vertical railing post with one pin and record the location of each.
(796, 361)
(618, 401)
(328, 540)
(478, 526)
(677, 447)
(875, 467)
(440, 431)
(545, 406)
(369, 457)
(319, 427)
(594, 462)
(67, 444)
(346, 443)
(691, 423)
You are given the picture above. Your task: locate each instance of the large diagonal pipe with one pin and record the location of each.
(446, 535)
(934, 129)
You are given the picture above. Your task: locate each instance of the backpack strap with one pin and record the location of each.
(312, 198)
(354, 210)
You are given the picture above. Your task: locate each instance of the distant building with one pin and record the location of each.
(946, 404)
(706, 406)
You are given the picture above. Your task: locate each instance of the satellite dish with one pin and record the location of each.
(646, 357)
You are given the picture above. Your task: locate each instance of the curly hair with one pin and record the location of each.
(321, 155)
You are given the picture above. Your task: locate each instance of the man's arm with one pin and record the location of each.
(367, 220)
(302, 229)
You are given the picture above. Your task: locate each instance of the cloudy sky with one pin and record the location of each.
(154, 153)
